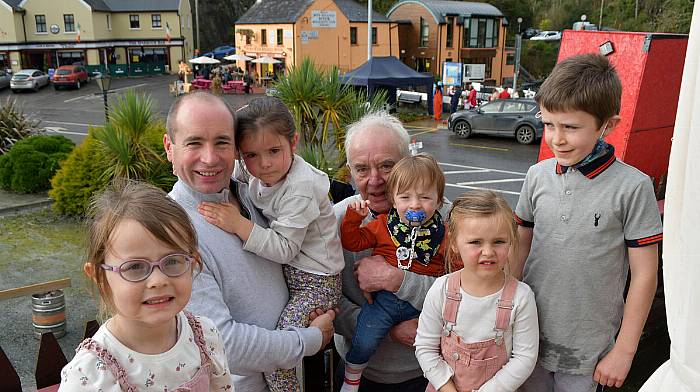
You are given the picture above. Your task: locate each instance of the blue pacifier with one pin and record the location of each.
(415, 218)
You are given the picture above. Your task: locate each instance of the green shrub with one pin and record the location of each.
(31, 162)
(79, 178)
(14, 125)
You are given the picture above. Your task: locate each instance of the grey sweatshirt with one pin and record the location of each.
(243, 294)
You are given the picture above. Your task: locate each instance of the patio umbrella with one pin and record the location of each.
(236, 57)
(266, 60)
(204, 60)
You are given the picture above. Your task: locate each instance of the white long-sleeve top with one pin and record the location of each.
(476, 318)
(303, 229)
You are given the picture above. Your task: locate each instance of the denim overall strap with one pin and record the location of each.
(505, 306)
(452, 299)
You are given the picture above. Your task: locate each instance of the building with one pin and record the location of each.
(130, 36)
(330, 32)
(433, 32)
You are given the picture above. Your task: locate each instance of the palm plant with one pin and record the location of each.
(323, 107)
(14, 125)
(131, 140)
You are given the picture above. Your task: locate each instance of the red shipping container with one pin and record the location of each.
(650, 66)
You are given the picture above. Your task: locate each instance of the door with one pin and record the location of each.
(486, 118)
(512, 113)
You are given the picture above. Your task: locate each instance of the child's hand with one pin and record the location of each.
(361, 207)
(324, 322)
(613, 368)
(368, 296)
(449, 387)
(223, 215)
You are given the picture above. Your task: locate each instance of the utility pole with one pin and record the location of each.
(369, 29)
(518, 45)
(196, 20)
(600, 20)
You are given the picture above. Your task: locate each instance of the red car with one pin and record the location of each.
(70, 75)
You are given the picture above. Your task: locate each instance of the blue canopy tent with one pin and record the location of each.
(388, 73)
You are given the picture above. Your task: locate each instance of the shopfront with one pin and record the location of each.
(5, 61)
(147, 60)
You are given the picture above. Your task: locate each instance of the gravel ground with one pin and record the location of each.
(36, 247)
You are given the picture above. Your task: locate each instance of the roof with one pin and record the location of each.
(386, 71)
(135, 5)
(277, 11)
(289, 11)
(442, 8)
(14, 4)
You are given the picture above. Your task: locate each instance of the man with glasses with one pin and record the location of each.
(241, 292)
(373, 145)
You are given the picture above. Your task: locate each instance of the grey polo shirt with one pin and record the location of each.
(583, 222)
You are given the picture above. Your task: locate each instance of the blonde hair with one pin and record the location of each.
(478, 204)
(145, 204)
(420, 170)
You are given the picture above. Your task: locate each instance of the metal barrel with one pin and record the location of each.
(49, 313)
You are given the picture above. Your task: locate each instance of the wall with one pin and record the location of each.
(284, 51)
(352, 56)
(53, 11)
(9, 24)
(182, 28)
(121, 26)
(410, 36)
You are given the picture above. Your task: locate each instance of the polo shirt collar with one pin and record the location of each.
(593, 168)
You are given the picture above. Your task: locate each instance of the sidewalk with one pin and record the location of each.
(11, 203)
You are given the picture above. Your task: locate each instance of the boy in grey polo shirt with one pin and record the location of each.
(585, 219)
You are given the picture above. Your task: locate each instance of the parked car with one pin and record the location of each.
(221, 51)
(28, 79)
(4, 79)
(509, 117)
(547, 36)
(70, 75)
(530, 32)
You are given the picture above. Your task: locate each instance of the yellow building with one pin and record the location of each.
(130, 36)
(434, 32)
(330, 32)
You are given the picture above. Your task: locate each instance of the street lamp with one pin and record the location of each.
(518, 44)
(103, 82)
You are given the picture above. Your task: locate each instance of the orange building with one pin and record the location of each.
(330, 32)
(433, 32)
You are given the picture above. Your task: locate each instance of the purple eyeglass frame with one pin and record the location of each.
(152, 264)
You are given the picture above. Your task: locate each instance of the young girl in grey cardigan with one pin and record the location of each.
(293, 195)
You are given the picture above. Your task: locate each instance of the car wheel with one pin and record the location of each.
(463, 129)
(55, 87)
(36, 88)
(77, 84)
(525, 134)
(13, 90)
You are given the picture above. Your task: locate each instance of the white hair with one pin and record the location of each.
(380, 119)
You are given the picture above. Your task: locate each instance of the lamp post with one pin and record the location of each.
(103, 82)
(518, 45)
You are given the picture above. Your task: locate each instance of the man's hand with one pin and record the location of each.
(613, 368)
(324, 322)
(222, 215)
(361, 207)
(374, 274)
(449, 387)
(405, 332)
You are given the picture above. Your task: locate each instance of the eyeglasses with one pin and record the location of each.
(136, 270)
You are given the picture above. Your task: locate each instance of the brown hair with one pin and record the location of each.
(478, 204)
(264, 113)
(586, 82)
(415, 170)
(145, 204)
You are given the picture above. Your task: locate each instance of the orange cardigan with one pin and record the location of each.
(375, 234)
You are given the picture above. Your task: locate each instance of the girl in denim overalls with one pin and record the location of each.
(478, 329)
(142, 253)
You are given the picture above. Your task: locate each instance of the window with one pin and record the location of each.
(247, 39)
(514, 106)
(353, 36)
(109, 22)
(510, 59)
(263, 36)
(374, 35)
(156, 22)
(280, 40)
(40, 23)
(450, 32)
(69, 23)
(424, 31)
(491, 107)
(134, 22)
(480, 33)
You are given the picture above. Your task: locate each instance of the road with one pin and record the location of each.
(479, 162)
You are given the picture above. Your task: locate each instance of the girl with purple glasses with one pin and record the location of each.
(142, 254)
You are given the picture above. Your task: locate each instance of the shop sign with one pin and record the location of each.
(323, 19)
(55, 29)
(306, 35)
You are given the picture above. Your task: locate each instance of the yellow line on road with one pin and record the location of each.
(481, 147)
(420, 133)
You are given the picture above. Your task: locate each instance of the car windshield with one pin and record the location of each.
(64, 72)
